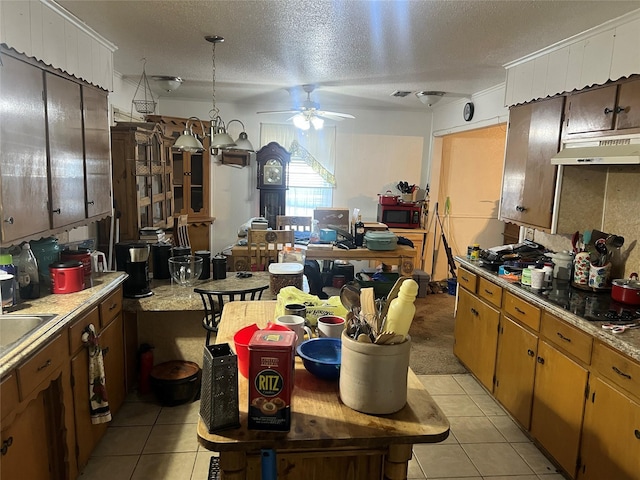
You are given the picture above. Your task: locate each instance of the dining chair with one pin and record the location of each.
(287, 222)
(214, 301)
(263, 246)
(181, 231)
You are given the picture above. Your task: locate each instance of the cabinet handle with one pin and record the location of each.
(112, 306)
(618, 109)
(636, 432)
(91, 202)
(608, 110)
(9, 220)
(519, 311)
(621, 373)
(530, 352)
(57, 210)
(46, 364)
(521, 208)
(562, 337)
(9, 441)
(474, 311)
(105, 350)
(488, 292)
(541, 360)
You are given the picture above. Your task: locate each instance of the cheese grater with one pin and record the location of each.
(219, 407)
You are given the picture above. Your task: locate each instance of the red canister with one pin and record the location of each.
(79, 255)
(66, 277)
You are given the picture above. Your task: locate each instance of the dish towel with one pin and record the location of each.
(98, 404)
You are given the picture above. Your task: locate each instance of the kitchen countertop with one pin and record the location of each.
(65, 308)
(627, 342)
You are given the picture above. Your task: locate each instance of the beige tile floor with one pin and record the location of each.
(146, 441)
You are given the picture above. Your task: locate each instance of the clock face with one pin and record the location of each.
(273, 172)
(468, 111)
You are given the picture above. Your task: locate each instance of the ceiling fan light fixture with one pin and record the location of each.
(301, 122)
(430, 97)
(317, 123)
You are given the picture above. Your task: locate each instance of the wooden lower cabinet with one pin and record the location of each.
(87, 434)
(476, 336)
(558, 405)
(515, 369)
(610, 434)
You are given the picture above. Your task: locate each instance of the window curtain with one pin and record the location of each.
(317, 148)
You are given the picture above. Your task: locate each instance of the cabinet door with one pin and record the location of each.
(191, 183)
(629, 102)
(97, 152)
(591, 111)
(529, 178)
(66, 159)
(476, 336)
(23, 151)
(558, 405)
(610, 435)
(25, 444)
(515, 369)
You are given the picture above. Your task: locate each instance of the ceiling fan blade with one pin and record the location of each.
(281, 111)
(324, 113)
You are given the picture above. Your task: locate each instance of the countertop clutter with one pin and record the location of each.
(63, 309)
(582, 309)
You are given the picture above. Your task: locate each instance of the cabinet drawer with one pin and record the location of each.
(618, 368)
(9, 397)
(522, 311)
(467, 279)
(570, 339)
(490, 292)
(76, 330)
(35, 370)
(110, 307)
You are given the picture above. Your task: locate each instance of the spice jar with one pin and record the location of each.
(475, 251)
(285, 275)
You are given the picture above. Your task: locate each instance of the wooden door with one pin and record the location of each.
(66, 164)
(515, 162)
(26, 444)
(610, 446)
(558, 405)
(586, 110)
(476, 336)
(97, 152)
(515, 369)
(23, 152)
(629, 101)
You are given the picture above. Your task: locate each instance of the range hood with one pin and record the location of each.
(603, 152)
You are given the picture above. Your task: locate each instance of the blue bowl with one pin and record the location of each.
(321, 357)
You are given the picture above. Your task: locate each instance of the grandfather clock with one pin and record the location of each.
(273, 162)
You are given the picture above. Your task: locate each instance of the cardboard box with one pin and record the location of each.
(271, 370)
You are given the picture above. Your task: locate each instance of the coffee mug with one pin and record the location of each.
(330, 326)
(296, 309)
(599, 275)
(296, 324)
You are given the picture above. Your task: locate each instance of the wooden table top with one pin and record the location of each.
(318, 418)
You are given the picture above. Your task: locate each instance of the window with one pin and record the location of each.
(307, 190)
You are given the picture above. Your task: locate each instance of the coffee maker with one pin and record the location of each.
(133, 258)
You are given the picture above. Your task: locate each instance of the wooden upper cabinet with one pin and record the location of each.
(611, 109)
(528, 184)
(23, 151)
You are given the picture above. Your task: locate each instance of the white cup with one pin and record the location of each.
(296, 324)
(537, 278)
(330, 326)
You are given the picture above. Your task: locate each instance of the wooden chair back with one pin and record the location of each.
(214, 300)
(263, 246)
(181, 231)
(285, 222)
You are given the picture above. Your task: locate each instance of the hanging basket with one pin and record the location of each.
(145, 104)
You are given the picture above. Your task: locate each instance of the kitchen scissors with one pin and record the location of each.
(619, 328)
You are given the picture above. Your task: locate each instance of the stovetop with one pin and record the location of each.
(591, 306)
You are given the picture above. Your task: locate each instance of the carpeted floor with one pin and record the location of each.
(432, 336)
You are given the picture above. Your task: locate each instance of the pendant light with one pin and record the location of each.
(219, 136)
(242, 143)
(188, 141)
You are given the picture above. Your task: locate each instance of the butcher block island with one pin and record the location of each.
(327, 439)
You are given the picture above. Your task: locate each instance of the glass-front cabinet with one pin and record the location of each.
(142, 176)
(190, 182)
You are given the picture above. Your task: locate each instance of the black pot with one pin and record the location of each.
(176, 382)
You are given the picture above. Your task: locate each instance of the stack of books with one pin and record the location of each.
(152, 235)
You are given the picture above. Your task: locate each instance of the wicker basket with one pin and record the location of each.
(144, 106)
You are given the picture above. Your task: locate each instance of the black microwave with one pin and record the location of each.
(402, 215)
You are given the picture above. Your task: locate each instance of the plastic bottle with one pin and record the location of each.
(402, 309)
(28, 279)
(7, 266)
(315, 232)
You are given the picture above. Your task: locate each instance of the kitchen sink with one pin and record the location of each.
(15, 327)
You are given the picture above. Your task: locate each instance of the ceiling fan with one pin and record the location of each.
(309, 113)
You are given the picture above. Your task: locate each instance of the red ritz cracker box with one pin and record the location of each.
(271, 369)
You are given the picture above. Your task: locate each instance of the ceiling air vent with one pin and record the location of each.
(400, 93)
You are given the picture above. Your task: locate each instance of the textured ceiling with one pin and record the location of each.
(357, 52)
